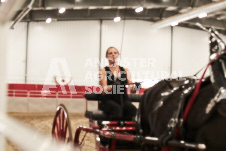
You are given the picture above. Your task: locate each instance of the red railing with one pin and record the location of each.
(43, 94)
(54, 91)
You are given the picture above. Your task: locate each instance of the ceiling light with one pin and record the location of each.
(48, 20)
(117, 19)
(202, 15)
(174, 23)
(150, 7)
(92, 7)
(49, 8)
(78, 7)
(139, 9)
(2, 1)
(62, 10)
(106, 7)
(121, 7)
(171, 8)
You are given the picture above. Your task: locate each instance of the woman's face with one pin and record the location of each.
(112, 55)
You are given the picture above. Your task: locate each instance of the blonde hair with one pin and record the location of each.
(111, 48)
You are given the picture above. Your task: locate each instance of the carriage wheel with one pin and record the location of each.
(61, 129)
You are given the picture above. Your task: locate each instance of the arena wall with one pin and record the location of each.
(32, 47)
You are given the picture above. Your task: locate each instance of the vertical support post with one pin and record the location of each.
(26, 53)
(100, 49)
(171, 51)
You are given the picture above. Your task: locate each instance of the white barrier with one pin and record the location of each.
(26, 138)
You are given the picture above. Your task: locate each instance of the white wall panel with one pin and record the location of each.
(16, 53)
(76, 41)
(190, 50)
(139, 45)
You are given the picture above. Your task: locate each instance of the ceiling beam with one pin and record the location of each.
(71, 14)
(194, 26)
(154, 10)
(209, 22)
(209, 8)
(128, 3)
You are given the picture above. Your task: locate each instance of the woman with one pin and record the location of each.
(112, 80)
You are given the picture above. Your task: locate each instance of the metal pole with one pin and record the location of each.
(26, 55)
(171, 51)
(100, 44)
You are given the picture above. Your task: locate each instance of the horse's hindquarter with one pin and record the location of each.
(150, 97)
(150, 106)
(167, 111)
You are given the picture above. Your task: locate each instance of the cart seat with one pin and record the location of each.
(99, 97)
(100, 115)
(96, 115)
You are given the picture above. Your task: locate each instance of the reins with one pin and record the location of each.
(195, 93)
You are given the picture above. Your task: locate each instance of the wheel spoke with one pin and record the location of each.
(55, 135)
(65, 130)
(63, 121)
(60, 126)
(58, 129)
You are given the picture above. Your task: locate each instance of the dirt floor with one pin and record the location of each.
(43, 123)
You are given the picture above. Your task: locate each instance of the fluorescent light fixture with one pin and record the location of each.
(93, 7)
(106, 7)
(2, 1)
(202, 15)
(49, 8)
(174, 23)
(78, 7)
(62, 10)
(212, 7)
(117, 19)
(171, 8)
(48, 20)
(121, 7)
(139, 9)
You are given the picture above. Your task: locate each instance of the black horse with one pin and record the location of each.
(163, 106)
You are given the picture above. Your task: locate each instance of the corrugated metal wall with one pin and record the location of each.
(16, 54)
(146, 53)
(190, 50)
(74, 41)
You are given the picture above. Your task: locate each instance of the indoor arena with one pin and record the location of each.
(112, 75)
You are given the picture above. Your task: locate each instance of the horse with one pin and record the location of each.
(164, 111)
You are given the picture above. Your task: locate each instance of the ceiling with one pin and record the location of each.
(154, 10)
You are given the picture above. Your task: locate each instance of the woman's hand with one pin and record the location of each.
(132, 89)
(107, 89)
